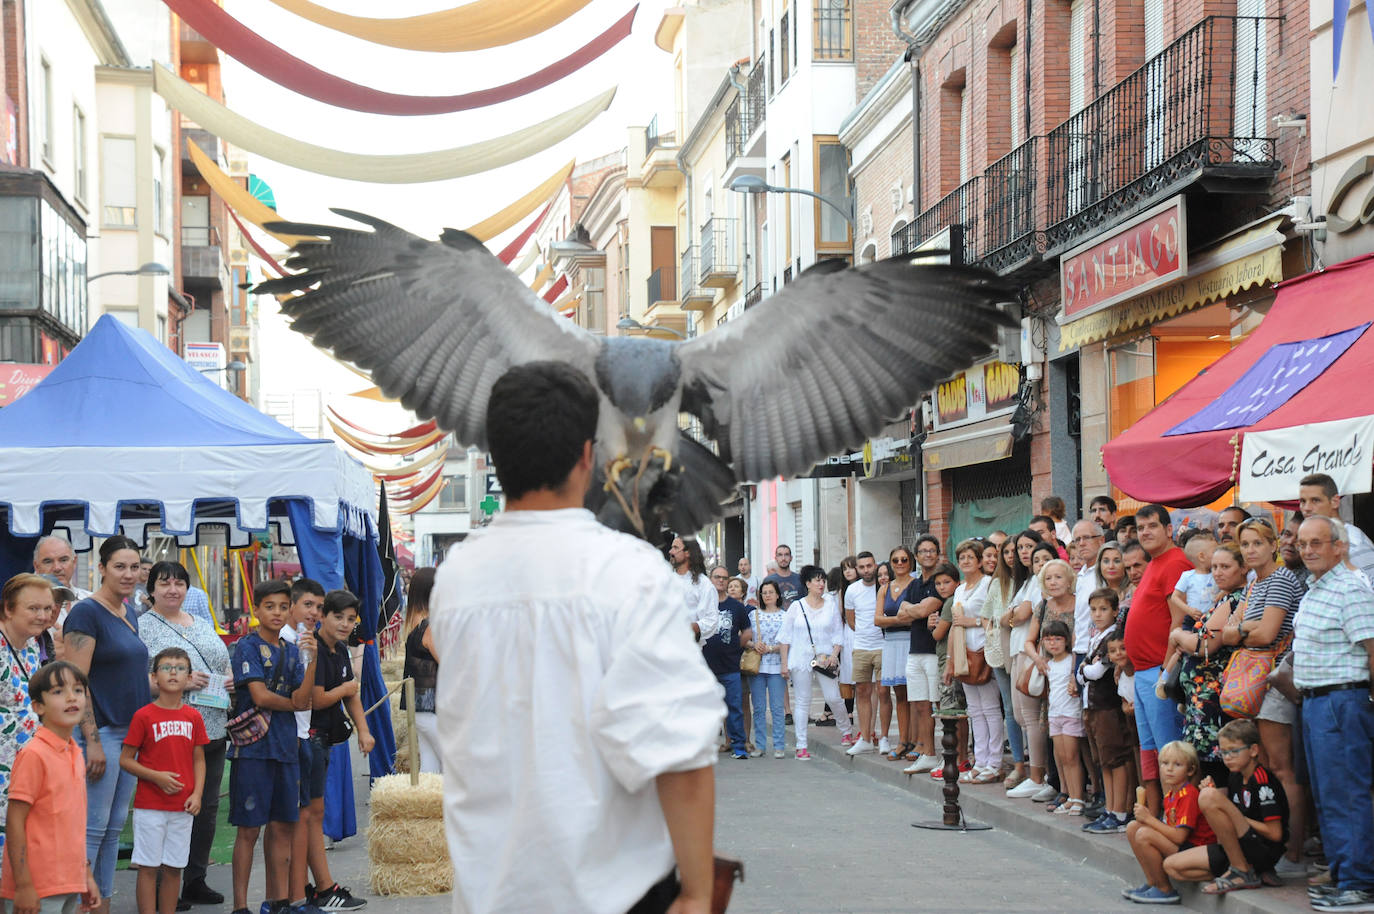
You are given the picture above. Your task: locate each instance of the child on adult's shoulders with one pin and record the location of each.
(1249, 816)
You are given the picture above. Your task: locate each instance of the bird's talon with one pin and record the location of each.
(614, 469)
(666, 456)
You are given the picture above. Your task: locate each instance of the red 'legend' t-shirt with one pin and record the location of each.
(166, 741)
(1181, 811)
(1149, 619)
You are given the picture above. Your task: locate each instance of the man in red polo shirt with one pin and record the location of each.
(1147, 635)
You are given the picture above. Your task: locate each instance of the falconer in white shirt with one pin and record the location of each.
(700, 601)
(1087, 540)
(577, 717)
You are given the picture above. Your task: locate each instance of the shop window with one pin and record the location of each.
(117, 171)
(1131, 379)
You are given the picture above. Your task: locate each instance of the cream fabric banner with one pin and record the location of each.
(470, 27)
(416, 168)
(1273, 462)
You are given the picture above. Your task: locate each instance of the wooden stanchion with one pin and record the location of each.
(412, 738)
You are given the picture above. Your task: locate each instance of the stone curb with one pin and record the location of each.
(1029, 821)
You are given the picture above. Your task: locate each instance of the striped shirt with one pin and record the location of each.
(1335, 616)
(1280, 588)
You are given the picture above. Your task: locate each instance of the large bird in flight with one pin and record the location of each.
(811, 371)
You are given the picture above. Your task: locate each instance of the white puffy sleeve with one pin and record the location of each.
(788, 624)
(659, 707)
(834, 631)
(707, 611)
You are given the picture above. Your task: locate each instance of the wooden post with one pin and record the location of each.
(412, 739)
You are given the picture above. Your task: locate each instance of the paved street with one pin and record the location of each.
(816, 837)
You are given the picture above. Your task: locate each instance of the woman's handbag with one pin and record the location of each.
(829, 672)
(1029, 681)
(979, 672)
(749, 660)
(1246, 679)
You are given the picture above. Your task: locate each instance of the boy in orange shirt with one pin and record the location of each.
(47, 806)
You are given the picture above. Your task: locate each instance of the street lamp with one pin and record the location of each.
(752, 184)
(151, 268)
(629, 323)
(235, 365)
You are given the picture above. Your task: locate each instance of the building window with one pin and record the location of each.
(126, 316)
(162, 330)
(594, 298)
(159, 204)
(454, 495)
(832, 182)
(79, 150)
(784, 54)
(45, 109)
(832, 31)
(117, 169)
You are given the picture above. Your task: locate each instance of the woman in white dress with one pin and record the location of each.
(811, 637)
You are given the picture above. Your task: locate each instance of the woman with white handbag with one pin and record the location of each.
(811, 639)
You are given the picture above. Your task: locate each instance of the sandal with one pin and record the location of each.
(966, 778)
(985, 776)
(912, 755)
(1233, 880)
(898, 754)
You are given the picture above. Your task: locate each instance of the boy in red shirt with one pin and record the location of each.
(47, 811)
(165, 751)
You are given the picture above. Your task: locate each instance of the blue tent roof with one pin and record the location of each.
(120, 387)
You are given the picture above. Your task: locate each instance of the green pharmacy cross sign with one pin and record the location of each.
(489, 505)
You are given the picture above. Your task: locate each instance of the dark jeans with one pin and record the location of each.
(734, 707)
(203, 826)
(1338, 729)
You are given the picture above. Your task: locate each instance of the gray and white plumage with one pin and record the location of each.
(811, 371)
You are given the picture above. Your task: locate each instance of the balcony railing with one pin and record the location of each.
(1010, 207)
(1158, 128)
(753, 296)
(832, 31)
(758, 90)
(787, 274)
(653, 138)
(962, 210)
(719, 252)
(657, 292)
(693, 295)
(745, 113)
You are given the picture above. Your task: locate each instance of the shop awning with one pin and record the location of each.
(979, 442)
(1268, 378)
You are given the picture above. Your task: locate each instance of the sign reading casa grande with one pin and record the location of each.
(1148, 252)
(1273, 462)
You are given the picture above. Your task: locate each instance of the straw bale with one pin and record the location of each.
(392, 797)
(406, 841)
(431, 878)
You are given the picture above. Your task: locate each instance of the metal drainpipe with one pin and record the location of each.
(746, 209)
(1026, 65)
(687, 172)
(913, 54)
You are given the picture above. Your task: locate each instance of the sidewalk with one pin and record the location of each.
(988, 804)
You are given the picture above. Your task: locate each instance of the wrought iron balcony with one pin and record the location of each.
(1011, 210)
(753, 296)
(653, 138)
(961, 211)
(1189, 114)
(719, 266)
(787, 274)
(745, 114)
(694, 296)
(661, 287)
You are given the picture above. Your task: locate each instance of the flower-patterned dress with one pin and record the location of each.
(1200, 680)
(17, 720)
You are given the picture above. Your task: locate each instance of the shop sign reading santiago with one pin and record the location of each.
(984, 390)
(1146, 253)
(1272, 463)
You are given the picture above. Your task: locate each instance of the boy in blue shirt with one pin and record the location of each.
(264, 780)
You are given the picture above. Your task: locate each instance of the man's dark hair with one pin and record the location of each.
(270, 589)
(1135, 546)
(1244, 514)
(864, 555)
(810, 572)
(1103, 500)
(696, 562)
(306, 587)
(948, 569)
(1042, 518)
(1125, 523)
(54, 675)
(1158, 512)
(1320, 479)
(782, 546)
(927, 538)
(175, 653)
(539, 417)
(338, 602)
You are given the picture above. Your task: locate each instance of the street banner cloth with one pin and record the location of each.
(512, 213)
(255, 52)
(238, 197)
(517, 244)
(414, 168)
(1198, 467)
(470, 27)
(1273, 463)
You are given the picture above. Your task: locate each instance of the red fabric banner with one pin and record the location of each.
(253, 51)
(253, 243)
(416, 431)
(556, 290)
(509, 252)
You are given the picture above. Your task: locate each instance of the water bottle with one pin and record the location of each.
(307, 654)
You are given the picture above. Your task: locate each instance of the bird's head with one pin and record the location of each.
(639, 376)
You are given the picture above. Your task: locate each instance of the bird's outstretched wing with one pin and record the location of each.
(832, 357)
(434, 324)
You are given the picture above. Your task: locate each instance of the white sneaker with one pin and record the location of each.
(925, 763)
(1025, 790)
(884, 746)
(778, 753)
(1046, 793)
(860, 747)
